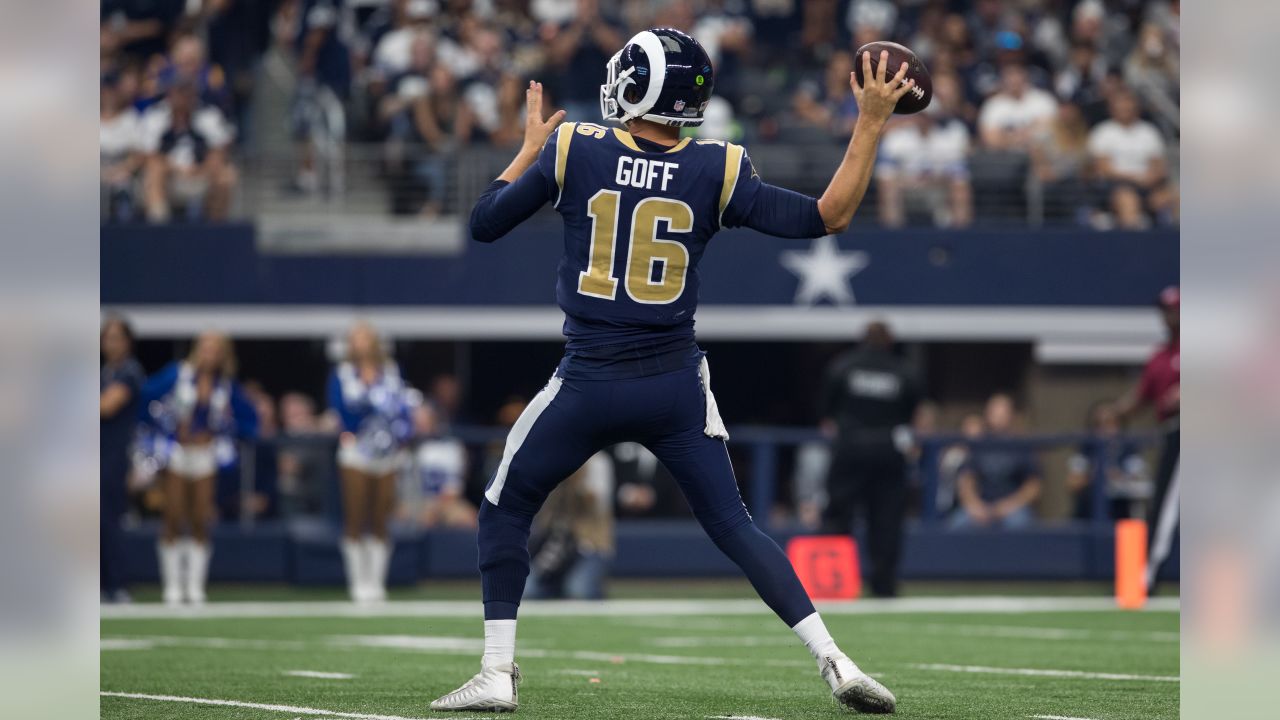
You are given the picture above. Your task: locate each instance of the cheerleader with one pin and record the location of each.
(196, 411)
(375, 406)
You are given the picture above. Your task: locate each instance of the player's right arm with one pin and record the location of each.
(875, 104)
(525, 185)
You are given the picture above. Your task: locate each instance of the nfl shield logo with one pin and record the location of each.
(679, 105)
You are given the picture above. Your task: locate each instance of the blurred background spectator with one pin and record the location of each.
(998, 485)
(402, 97)
(1123, 468)
(1128, 155)
(572, 539)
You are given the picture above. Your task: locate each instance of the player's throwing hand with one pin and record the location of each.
(879, 97)
(536, 131)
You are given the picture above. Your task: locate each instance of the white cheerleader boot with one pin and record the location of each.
(197, 573)
(378, 555)
(353, 560)
(170, 556)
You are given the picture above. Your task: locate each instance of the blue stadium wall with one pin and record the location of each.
(221, 264)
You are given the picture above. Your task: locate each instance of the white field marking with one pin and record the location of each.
(623, 608)
(738, 717)
(454, 646)
(256, 706)
(125, 644)
(1039, 672)
(318, 675)
(1030, 633)
(457, 646)
(1056, 717)
(679, 641)
(148, 642)
(412, 642)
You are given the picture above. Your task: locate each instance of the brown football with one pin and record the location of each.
(920, 95)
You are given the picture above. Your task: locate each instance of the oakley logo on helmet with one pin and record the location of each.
(658, 69)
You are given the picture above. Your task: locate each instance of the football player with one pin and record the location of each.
(639, 205)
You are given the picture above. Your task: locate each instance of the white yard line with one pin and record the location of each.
(622, 608)
(318, 675)
(1023, 632)
(437, 645)
(738, 717)
(149, 642)
(291, 709)
(429, 644)
(1056, 717)
(1040, 672)
(685, 641)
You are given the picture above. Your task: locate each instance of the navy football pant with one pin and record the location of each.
(571, 420)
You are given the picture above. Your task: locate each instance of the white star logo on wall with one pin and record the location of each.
(824, 271)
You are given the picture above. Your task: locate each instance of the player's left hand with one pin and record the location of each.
(878, 97)
(536, 131)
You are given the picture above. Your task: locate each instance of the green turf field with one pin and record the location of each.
(716, 658)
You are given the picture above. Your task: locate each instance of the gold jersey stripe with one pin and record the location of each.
(732, 164)
(563, 137)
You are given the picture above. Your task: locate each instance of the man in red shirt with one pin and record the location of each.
(1159, 387)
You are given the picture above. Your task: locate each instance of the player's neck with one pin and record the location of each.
(653, 132)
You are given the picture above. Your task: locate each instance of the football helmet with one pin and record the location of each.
(661, 75)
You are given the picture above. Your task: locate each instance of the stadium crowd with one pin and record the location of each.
(1079, 97)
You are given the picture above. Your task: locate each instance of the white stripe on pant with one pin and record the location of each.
(519, 432)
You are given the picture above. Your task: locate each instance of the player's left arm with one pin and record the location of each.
(523, 187)
(783, 213)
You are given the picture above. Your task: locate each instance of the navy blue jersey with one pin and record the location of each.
(635, 226)
(637, 219)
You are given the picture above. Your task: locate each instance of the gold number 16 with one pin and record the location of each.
(644, 250)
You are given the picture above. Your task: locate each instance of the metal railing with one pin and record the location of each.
(761, 447)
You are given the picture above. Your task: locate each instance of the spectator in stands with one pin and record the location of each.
(572, 539)
(578, 50)
(829, 106)
(724, 29)
(264, 405)
(303, 465)
(187, 145)
(1128, 485)
(953, 460)
(926, 160)
(375, 405)
(1059, 160)
(137, 29)
(394, 52)
(998, 485)
(323, 83)
(1152, 71)
(1012, 117)
(187, 63)
(1080, 80)
(446, 400)
(196, 411)
(437, 492)
(949, 101)
(441, 122)
(119, 397)
(119, 148)
(1128, 156)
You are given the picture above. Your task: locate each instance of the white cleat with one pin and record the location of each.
(855, 689)
(491, 690)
